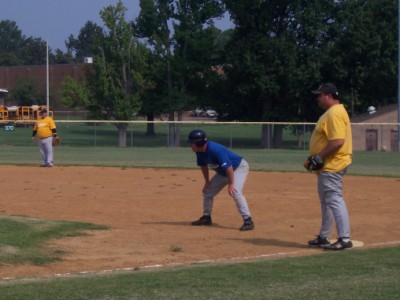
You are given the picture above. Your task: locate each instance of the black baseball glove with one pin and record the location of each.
(314, 163)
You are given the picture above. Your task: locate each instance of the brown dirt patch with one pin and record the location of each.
(150, 210)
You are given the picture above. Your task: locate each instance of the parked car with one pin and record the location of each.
(210, 113)
(205, 113)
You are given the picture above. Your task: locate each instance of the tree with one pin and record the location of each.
(193, 51)
(16, 49)
(364, 53)
(176, 31)
(113, 87)
(275, 53)
(26, 92)
(34, 51)
(153, 24)
(11, 41)
(83, 45)
(75, 94)
(153, 96)
(63, 58)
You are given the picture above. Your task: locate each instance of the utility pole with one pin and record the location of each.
(398, 75)
(47, 77)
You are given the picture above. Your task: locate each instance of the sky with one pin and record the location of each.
(55, 20)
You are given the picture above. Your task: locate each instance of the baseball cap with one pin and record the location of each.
(43, 110)
(326, 88)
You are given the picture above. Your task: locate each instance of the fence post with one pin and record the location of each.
(132, 136)
(230, 137)
(167, 134)
(95, 134)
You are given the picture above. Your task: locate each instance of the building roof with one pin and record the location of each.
(384, 114)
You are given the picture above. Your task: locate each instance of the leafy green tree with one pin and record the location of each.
(75, 94)
(154, 96)
(193, 51)
(113, 89)
(275, 53)
(179, 35)
(208, 85)
(364, 53)
(63, 58)
(34, 51)
(11, 41)
(83, 45)
(9, 59)
(221, 40)
(16, 49)
(153, 24)
(27, 92)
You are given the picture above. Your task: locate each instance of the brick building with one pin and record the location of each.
(10, 75)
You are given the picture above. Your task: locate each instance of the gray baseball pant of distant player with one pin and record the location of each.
(333, 207)
(46, 149)
(218, 182)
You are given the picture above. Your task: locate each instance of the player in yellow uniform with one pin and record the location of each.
(331, 155)
(45, 129)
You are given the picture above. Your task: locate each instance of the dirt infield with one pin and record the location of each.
(150, 210)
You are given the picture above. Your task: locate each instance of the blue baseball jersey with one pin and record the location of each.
(218, 158)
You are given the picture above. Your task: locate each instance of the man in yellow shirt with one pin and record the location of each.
(45, 130)
(331, 155)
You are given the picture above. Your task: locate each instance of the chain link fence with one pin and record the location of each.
(245, 135)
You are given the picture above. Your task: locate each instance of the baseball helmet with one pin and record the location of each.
(197, 136)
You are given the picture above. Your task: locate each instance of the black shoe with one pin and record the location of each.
(247, 225)
(319, 242)
(339, 245)
(204, 220)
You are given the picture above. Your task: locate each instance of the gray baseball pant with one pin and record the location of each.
(218, 182)
(46, 149)
(333, 206)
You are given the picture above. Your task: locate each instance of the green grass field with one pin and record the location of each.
(95, 144)
(364, 163)
(83, 134)
(355, 274)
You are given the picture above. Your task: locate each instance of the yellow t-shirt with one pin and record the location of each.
(332, 125)
(44, 127)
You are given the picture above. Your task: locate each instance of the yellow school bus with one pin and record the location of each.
(23, 113)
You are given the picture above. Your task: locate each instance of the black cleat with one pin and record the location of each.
(204, 220)
(247, 225)
(319, 242)
(339, 245)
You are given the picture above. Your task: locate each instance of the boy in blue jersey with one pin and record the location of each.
(231, 170)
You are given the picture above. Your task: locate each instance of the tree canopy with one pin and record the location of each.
(18, 50)
(181, 36)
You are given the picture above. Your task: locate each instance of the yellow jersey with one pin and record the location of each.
(44, 127)
(334, 124)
